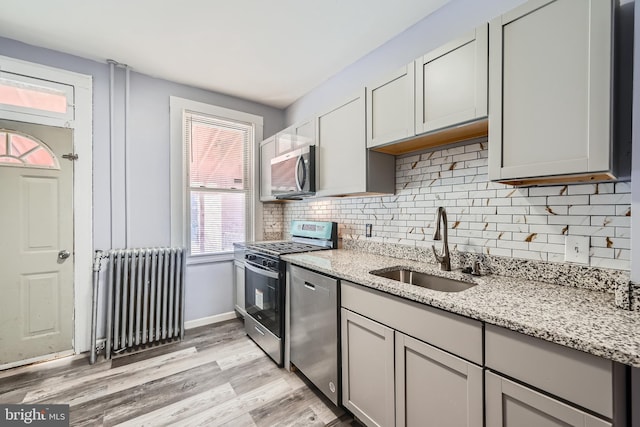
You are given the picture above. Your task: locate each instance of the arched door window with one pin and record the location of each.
(18, 149)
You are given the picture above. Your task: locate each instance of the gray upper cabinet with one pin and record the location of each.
(436, 386)
(452, 82)
(509, 404)
(367, 369)
(267, 152)
(344, 165)
(551, 92)
(439, 99)
(390, 105)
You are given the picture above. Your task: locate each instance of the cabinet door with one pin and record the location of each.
(452, 83)
(390, 105)
(367, 369)
(509, 404)
(342, 150)
(239, 287)
(284, 141)
(267, 152)
(550, 80)
(435, 388)
(305, 133)
(295, 136)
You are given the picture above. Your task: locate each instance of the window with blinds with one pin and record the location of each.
(219, 181)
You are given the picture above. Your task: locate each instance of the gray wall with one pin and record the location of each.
(452, 20)
(209, 286)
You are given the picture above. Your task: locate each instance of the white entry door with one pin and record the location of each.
(36, 242)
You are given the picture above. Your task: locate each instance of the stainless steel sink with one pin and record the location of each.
(424, 280)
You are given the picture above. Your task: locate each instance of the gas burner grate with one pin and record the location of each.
(284, 247)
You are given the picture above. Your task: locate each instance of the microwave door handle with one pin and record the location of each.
(304, 173)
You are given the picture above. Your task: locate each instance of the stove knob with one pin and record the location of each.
(271, 264)
(250, 257)
(265, 262)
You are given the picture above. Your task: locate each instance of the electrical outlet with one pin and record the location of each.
(576, 249)
(368, 230)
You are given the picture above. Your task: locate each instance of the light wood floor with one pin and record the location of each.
(215, 377)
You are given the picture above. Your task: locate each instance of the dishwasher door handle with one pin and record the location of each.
(310, 286)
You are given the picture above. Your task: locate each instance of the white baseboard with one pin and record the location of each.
(210, 320)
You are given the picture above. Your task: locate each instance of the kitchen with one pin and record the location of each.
(405, 219)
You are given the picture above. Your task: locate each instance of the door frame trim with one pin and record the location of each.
(82, 125)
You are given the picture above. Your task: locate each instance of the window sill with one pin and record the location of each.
(210, 259)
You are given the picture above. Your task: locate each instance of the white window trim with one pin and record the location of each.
(82, 125)
(63, 88)
(179, 204)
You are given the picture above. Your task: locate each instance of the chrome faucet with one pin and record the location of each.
(445, 258)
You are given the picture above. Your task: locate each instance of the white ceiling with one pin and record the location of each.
(269, 51)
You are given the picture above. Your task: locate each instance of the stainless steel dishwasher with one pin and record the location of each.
(314, 329)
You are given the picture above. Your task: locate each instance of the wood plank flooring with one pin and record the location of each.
(216, 376)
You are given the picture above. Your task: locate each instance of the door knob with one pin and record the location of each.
(63, 254)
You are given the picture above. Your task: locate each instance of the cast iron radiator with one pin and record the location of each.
(145, 297)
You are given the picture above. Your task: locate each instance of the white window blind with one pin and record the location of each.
(219, 181)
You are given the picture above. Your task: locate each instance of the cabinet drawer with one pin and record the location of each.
(578, 377)
(455, 334)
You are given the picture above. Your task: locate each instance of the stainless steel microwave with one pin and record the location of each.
(293, 174)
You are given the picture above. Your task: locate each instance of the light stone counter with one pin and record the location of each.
(577, 318)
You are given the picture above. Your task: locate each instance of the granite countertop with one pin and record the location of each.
(577, 318)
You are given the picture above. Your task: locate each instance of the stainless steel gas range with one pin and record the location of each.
(265, 281)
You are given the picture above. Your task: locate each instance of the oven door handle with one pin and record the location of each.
(261, 271)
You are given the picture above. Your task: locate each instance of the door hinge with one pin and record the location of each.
(70, 156)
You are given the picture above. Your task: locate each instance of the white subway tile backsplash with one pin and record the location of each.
(533, 255)
(568, 200)
(602, 252)
(621, 210)
(611, 221)
(583, 230)
(594, 210)
(617, 264)
(484, 217)
(623, 187)
(548, 191)
(569, 220)
(611, 199)
(623, 254)
(529, 201)
(623, 232)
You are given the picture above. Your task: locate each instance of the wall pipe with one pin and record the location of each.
(112, 111)
(97, 263)
(127, 86)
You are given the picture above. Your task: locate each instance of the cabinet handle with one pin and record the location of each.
(310, 286)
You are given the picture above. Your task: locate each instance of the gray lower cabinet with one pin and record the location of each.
(367, 369)
(238, 283)
(435, 388)
(579, 380)
(509, 404)
(390, 378)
